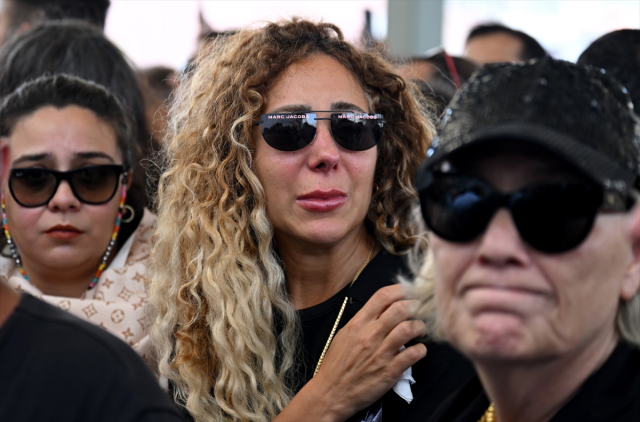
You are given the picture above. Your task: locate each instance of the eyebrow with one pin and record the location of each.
(32, 157)
(48, 156)
(343, 105)
(93, 154)
(339, 105)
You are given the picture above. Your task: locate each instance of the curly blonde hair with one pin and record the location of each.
(226, 331)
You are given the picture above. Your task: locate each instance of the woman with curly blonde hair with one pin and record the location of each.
(285, 211)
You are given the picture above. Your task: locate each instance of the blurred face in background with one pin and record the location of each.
(497, 47)
(500, 299)
(64, 233)
(319, 194)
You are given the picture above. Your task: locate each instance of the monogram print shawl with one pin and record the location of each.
(118, 303)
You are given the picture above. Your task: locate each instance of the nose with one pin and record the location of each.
(501, 244)
(324, 153)
(64, 199)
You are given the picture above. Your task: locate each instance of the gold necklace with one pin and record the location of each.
(344, 305)
(489, 415)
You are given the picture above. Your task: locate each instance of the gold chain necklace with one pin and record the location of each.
(344, 305)
(489, 415)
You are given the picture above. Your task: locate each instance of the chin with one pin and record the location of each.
(492, 337)
(326, 233)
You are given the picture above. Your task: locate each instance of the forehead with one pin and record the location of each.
(60, 132)
(316, 83)
(510, 165)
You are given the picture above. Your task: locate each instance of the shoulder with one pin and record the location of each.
(610, 393)
(62, 362)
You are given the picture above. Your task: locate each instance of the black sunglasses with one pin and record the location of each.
(294, 131)
(551, 218)
(94, 185)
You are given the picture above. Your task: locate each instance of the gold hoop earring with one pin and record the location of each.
(132, 213)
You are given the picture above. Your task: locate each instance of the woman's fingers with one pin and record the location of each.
(402, 334)
(380, 301)
(406, 358)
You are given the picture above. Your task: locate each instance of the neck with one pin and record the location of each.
(316, 273)
(8, 302)
(534, 392)
(67, 282)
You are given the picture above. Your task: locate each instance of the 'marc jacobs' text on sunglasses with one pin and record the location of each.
(294, 131)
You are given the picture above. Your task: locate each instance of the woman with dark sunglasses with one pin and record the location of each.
(66, 219)
(286, 213)
(531, 195)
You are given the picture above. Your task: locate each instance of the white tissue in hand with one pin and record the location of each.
(403, 386)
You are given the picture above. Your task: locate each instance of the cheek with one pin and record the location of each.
(450, 262)
(277, 175)
(102, 218)
(592, 274)
(22, 222)
(362, 168)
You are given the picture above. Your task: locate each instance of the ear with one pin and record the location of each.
(4, 160)
(631, 282)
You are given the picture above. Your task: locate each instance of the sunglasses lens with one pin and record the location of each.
(357, 132)
(556, 218)
(288, 132)
(32, 187)
(95, 184)
(457, 208)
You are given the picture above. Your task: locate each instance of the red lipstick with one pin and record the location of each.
(64, 232)
(322, 200)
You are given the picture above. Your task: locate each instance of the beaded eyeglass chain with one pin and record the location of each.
(105, 258)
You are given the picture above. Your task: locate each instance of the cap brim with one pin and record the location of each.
(594, 164)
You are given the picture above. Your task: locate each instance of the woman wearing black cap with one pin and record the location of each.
(536, 245)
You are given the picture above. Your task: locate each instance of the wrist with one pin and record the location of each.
(315, 402)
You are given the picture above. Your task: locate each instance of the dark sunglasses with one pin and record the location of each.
(294, 131)
(94, 185)
(551, 218)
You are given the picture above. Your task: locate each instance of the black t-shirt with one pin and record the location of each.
(56, 367)
(438, 375)
(612, 393)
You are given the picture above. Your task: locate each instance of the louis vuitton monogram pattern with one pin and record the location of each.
(118, 302)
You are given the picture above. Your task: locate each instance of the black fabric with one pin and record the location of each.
(612, 393)
(56, 367)
(440, 373)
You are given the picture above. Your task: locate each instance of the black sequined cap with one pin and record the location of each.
(577, 112)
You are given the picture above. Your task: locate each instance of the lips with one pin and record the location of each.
(498, 297)
(322, 200)
(64, 232)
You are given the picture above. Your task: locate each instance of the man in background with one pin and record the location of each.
(20, 15)
(439, 76)
(495, 43)
(618, 53)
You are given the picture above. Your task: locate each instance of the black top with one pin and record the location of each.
(612, 393)
(56, 367)
(440, 373)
